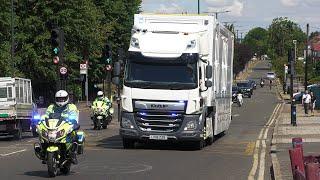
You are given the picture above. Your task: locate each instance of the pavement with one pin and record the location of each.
(308, 128)
(240, 153)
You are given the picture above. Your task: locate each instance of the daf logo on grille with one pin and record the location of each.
(159, 106)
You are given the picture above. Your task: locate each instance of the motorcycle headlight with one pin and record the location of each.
(111, 110)
(191, 125)
(126, 123)
(44, 133)
(52, 135)
(60, 133)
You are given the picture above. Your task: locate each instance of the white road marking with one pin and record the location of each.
(15, 152)
(262, 161)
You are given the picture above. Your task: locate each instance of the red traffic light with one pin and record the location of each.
(56, 60)
(108, 67)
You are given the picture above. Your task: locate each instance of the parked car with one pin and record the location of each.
(271, 75)
(253, 83)
(246, 88)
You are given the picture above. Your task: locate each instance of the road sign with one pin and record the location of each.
(286, 69)
(63, 70)
(83, 69)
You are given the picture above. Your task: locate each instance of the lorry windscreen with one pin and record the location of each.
(141, 74)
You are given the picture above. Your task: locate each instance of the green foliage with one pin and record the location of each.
(257, 39)
(282, 32)
(87, 25)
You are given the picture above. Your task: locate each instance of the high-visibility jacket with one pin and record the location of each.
(69, 111)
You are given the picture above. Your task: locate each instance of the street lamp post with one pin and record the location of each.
(217, 12)
(220, 12)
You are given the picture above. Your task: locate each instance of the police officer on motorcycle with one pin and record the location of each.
(67, 110)
(101, 97)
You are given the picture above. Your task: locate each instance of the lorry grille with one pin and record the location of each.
(158, 122)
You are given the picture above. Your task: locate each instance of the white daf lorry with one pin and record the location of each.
(178, 80)
(16, 106)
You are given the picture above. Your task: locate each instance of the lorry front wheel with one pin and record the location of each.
(198, 145)
(128, 143)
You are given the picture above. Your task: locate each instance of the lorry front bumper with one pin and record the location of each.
(136, 133)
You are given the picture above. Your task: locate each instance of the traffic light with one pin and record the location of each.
(107, 55)
(57, 42)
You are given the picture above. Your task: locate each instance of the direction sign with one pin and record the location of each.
(83, 69)
(63, 70)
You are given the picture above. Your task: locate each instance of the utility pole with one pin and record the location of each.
(237, 36)
(293, 106)
(198, 6)
(306, 61)
(12, 34)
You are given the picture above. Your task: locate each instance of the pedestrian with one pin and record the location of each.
(270, 84)
(306, 100)
(313, 103)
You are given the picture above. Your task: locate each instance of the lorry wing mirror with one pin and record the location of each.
(117, 69)
(208, 84)
(209, 72)
(116, 81)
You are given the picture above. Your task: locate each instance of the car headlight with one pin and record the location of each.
(248, 89)
(191, 125)
(126, 123)
(191, 44)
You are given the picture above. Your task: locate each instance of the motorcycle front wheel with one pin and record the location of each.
(52, 164)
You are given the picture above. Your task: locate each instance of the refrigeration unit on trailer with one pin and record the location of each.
(177, 81)
(16, 107)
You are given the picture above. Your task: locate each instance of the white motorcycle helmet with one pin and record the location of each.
(100, 95)
(62, 98)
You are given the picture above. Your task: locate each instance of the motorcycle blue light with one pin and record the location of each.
(174, 114)
(36, 117)
(72, 117)
(143, 113)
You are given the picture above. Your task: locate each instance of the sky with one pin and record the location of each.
(245, 14)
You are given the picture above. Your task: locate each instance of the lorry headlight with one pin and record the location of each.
(135, 42)
(191, 44)
(126, 123)
(191, 125)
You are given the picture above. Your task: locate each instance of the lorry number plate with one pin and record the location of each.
(158, 137)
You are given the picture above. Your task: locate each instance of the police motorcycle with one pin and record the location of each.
(60, 142)
(261, 84)
(237, 98)
(102, 115)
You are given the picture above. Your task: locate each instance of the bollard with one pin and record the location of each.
(296, 158)
(293, 115)
(312, 171)
(297, 142)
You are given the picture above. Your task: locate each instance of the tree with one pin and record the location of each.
(257, 40)
(281, 33)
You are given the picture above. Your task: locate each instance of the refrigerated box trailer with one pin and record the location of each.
(16, 106)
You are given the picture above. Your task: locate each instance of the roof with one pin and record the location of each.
(316, 47)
